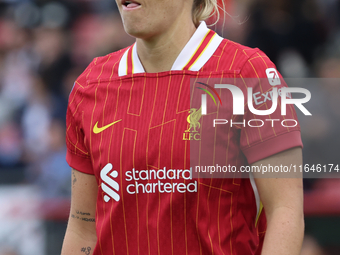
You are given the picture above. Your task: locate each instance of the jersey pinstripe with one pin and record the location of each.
(160, 209)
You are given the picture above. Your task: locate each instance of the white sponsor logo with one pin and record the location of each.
(273, 77)
(140, 176)
(109, 186)
(157, 181)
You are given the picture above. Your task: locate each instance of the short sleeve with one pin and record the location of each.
(265, 135)
(77, 156)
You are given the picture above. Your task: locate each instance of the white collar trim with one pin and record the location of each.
(183, 58)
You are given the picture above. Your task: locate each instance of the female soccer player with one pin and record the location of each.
(131, 127)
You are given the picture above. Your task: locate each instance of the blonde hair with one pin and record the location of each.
(203, 9)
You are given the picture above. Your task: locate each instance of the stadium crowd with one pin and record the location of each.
(45, 45)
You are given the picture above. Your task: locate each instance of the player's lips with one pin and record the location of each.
(130, 5)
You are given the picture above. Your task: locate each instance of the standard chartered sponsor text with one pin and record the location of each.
(138, 177)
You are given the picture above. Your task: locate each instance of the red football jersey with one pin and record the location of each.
(132, 130)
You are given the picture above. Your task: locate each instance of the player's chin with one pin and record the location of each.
(136, 30)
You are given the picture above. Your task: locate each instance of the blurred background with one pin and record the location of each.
(45, 45)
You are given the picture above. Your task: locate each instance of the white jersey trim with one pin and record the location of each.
(122, 70)
(137, 65)
(183, 58)
(207, 53)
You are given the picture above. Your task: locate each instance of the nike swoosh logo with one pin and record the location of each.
(97, 130)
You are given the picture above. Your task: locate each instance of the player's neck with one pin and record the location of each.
(159, 53)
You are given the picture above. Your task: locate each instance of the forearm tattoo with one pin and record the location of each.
(83, 216)
(86, 250)
(74, 179)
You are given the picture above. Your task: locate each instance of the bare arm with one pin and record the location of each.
(282, 199)
(80, 237)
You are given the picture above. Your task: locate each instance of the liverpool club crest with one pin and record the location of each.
(193, 125)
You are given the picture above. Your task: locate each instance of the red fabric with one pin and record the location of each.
(213, 216)
(273, 146)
